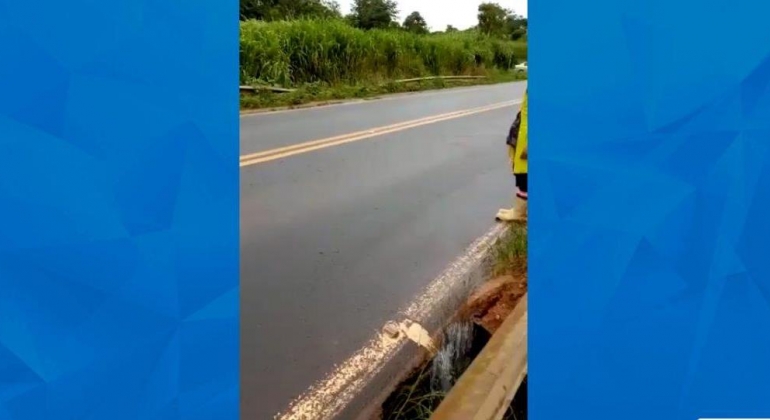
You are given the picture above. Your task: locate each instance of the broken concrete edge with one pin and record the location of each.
(487, 387)
(357, 387)
(368, 401)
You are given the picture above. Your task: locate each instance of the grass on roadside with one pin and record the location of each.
(416, 400)
(321, 93)
(297, 52)
(510, 252)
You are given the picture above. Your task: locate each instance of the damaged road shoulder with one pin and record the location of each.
(357, 388)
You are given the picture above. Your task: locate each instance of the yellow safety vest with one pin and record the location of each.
(519, 162)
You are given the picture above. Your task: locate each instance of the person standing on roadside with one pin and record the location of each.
(517, 151)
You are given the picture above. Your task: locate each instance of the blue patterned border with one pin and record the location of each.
(118, 210)
(650, 206)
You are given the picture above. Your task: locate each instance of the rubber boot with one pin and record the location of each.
(520, 210)
(517, 213)
(504, 215)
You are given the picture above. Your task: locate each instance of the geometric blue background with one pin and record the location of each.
(119, 210)
(650, 220)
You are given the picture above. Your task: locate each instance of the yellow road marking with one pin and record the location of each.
(284, 152)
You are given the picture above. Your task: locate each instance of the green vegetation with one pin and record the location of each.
(309, 46)
(510, 251)
(319, 93)
(270, 10)
(373, 14)
(416, 399)
(415, 23)
(291, 53)
(503, 23)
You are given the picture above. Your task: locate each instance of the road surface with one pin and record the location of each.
(335, 241)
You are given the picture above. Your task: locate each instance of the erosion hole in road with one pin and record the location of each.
(421, 393)
(418, 396)
(468, 332)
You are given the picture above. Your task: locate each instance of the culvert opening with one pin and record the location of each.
(483, 313)
(461, 342)
(422, 392)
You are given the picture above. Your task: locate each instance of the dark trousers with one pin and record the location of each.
(521, 186)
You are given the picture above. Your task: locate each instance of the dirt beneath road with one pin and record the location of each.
(491, 303)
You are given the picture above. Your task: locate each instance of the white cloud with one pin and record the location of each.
(439, 13)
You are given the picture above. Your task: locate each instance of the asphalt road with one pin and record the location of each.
(335, 241)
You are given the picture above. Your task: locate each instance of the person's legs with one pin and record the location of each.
(519, 210)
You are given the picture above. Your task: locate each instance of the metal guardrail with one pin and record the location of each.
(252, 89)
(486, 389)
(419, 79)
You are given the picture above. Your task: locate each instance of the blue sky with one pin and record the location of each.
(440, 13)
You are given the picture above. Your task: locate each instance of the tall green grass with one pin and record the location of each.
(291, 53)
(510, 251)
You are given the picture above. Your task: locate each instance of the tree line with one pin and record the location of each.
(493, 19)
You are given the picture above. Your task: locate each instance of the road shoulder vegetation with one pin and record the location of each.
(306, 51)
(320, 94)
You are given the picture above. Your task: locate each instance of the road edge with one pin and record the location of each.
(356, 389)
(354, 101)
(460, 279)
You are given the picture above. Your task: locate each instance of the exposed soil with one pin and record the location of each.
(491, 303)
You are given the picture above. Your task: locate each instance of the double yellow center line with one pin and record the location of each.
(284, 152)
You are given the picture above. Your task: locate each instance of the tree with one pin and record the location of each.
(497, 21)
(372, 14)
(516, 26)
(288, 9)
(450, 29)
(493, 19)
(415, 23)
